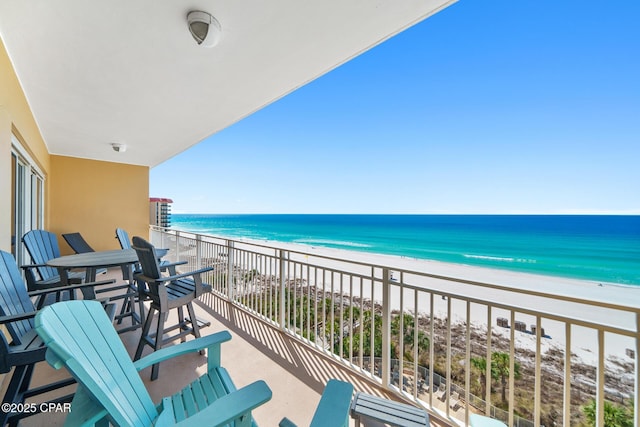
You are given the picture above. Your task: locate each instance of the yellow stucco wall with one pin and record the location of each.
(5, 178)
(88, 196)
(16, 118)
(95, 197)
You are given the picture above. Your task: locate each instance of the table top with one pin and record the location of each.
(388, 412)
(95, 259)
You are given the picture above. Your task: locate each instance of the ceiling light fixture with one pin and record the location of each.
(119, 148)
(204, 28)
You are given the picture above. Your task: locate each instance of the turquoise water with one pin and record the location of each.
(592, 247)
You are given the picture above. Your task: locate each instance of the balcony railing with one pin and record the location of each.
(454, 346)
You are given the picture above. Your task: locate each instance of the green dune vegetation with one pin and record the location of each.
(351, 327)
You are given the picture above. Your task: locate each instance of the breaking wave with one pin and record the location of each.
(332, 242)
(501, 259)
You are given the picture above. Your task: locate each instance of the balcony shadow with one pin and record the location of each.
(309, 365)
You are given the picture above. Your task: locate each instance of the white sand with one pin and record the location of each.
(584, 340)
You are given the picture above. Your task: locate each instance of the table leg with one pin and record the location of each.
(89, 292)
(90, 275)
(64, 281)
(64, 276)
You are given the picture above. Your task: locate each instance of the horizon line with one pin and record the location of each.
(586, 213)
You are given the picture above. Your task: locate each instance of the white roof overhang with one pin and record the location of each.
(102, 72)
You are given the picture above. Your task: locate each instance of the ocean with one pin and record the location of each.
(600, 248)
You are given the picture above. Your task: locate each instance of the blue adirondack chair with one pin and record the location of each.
(25, 348)
(123, 238)
(42, 246)
(333, 409)
(81, 338)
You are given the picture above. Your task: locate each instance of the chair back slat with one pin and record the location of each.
(147, 257)
(42, 246)
(77, 243)
(123, 238)
(13, 297)
(80, 336)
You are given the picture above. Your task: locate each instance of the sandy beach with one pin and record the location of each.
(584, 343)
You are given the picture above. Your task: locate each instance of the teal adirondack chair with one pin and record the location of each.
(80, 336)
(333, 408)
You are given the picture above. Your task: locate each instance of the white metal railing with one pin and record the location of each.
(474, 351)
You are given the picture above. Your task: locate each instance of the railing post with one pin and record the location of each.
(487, 373)
(282, 283)
(177, 248)
(162, 237)
(512, 358)
(600, 398)
(386, 328)
(567, 376)
(198, 251)
(230, 283)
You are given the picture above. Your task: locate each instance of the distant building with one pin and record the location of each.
(160, 212)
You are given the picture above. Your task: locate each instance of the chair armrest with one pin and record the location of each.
(71, 287)
(28, 266)
(183, 348)
(31, 314)
(227, 408)
(161, 252)
(16, 317)
(173, 264)
(174, 277)
(180, 276)
(113, 288)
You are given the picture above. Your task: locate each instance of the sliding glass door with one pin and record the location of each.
(27, 199)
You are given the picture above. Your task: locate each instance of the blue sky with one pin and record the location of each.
(487, 107)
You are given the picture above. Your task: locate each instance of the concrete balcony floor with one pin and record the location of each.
(295, 372)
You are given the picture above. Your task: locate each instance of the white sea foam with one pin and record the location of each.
(501, 259)
(332, 242)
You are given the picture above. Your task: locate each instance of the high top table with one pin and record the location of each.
(91, 261)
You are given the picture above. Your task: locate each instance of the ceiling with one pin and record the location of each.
(129, 72)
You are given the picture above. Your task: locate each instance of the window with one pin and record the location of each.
(27, 199)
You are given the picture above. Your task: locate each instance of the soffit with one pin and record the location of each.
(122, 71)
